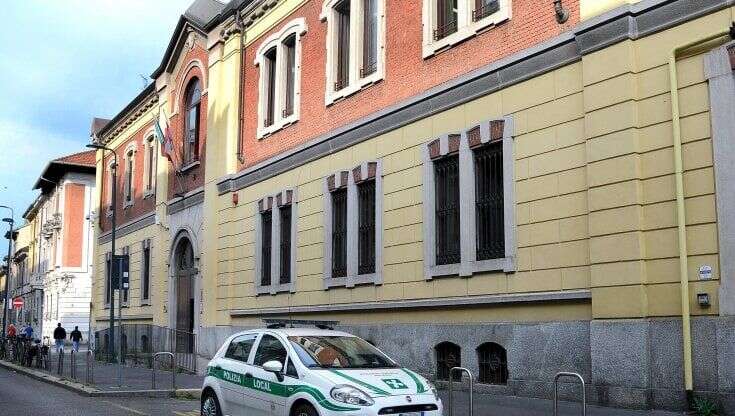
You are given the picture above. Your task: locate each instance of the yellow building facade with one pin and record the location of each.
(618, 218)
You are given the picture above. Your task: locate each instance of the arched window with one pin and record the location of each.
(493, 361)
(448, 355)
(129, 160)
(192, 114)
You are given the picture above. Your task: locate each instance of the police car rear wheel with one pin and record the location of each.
(210, 405)
(305, 410)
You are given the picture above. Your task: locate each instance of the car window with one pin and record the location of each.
(338, 352)
(291, 369)
(269, 349)
(239, 348)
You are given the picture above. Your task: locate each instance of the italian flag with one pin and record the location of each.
(164, 136)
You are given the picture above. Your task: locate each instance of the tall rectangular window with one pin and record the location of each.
(343, 44)
(146, 276)
(289, 46)
(339, 233)
(285, 244)
(129, 177)
(369, 38)
(446, 18)
(265, 247)
(272, 66)
(489, 201)
(151, 155)
(446, 172)
(366, 227)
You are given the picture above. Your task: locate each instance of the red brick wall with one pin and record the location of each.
(407, 72)
(73, 230)
(140, 206)
(194, 177)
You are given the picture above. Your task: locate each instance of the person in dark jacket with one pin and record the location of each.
(75, 337)
(59, 337)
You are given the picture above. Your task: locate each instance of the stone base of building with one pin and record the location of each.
(632, 363)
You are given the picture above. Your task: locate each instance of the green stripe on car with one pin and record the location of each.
(420, 388)
(276, 389)
(374, 389)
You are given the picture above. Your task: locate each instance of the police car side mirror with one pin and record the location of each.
(274, 367)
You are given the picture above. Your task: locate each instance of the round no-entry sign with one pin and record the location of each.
(18, 303)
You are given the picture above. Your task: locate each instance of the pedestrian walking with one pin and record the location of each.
(76, 337)
(59, 337)
(28, 332)
(11, 330)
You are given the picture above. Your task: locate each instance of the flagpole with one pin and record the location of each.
(169, 153)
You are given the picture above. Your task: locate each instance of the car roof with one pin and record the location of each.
(300, 331)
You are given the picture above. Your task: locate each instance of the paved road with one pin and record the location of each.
(21, 395)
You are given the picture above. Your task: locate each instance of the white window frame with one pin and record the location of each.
(353, 277)
(146, 244)
(356, 83)
(149, 164)
(129, 187)
(298, 28)
(270, 202)
(465, 26)
(469, 264)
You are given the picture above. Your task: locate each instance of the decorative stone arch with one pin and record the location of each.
(183, 236)
(296, 26)
(186, 76)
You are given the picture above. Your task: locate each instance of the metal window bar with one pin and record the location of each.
(285, 261)
(342, 10)
(446, 173)
(265, 248)
(493, 363)
(446, 18)
(366, 227)
(145, 295)
(339, 233)
(448, 355)
(489, 201)
(484, 8)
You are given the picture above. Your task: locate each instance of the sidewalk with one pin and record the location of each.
(488, 405)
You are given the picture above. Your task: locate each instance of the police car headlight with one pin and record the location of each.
(351, 395)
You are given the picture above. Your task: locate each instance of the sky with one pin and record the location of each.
(62, 63)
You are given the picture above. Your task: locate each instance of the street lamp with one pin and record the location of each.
(113, 189)
(7, 274)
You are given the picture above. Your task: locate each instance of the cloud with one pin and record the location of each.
(65, 62)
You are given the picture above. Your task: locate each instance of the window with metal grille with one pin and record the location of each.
(270, 102)
(369, 38)
(448, 355)
(129, 176)
(446, 178)
(489, 198)
(493, 362)
(289, 46)
(285, 259)
(342, 10)
(366, 227)
(266, 219)
(446, 18)
(339, 233)
(484, 8)
(146, 284)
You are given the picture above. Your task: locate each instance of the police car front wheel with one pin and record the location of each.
(210, 405)
(304, 410)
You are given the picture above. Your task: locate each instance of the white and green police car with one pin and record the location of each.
(311, 372)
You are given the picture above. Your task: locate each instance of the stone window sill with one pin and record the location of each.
(433, 47)
(189, 166)
(275, 289)
(470, 268)
(352, 281)
(354, 88)
(149, 193)
(264, 132)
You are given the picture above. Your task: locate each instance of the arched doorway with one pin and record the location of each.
(184, 274)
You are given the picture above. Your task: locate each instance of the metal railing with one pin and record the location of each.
(139, 342)
(556, 391)
(469, 375)
(173, 369)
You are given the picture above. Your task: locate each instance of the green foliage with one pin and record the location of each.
(704, 407)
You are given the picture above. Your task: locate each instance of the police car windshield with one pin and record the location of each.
(338, 352)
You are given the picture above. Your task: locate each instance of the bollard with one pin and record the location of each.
(173, 369)
(89, 378)
(72, 365)
(60, 363)
(469, 375)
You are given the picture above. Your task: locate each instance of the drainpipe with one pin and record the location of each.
(680, 207)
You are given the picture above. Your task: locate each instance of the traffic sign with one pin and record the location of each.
(18, 303)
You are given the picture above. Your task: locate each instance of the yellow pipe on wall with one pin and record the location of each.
(680, 207)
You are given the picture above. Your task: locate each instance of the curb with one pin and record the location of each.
(88, 391)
